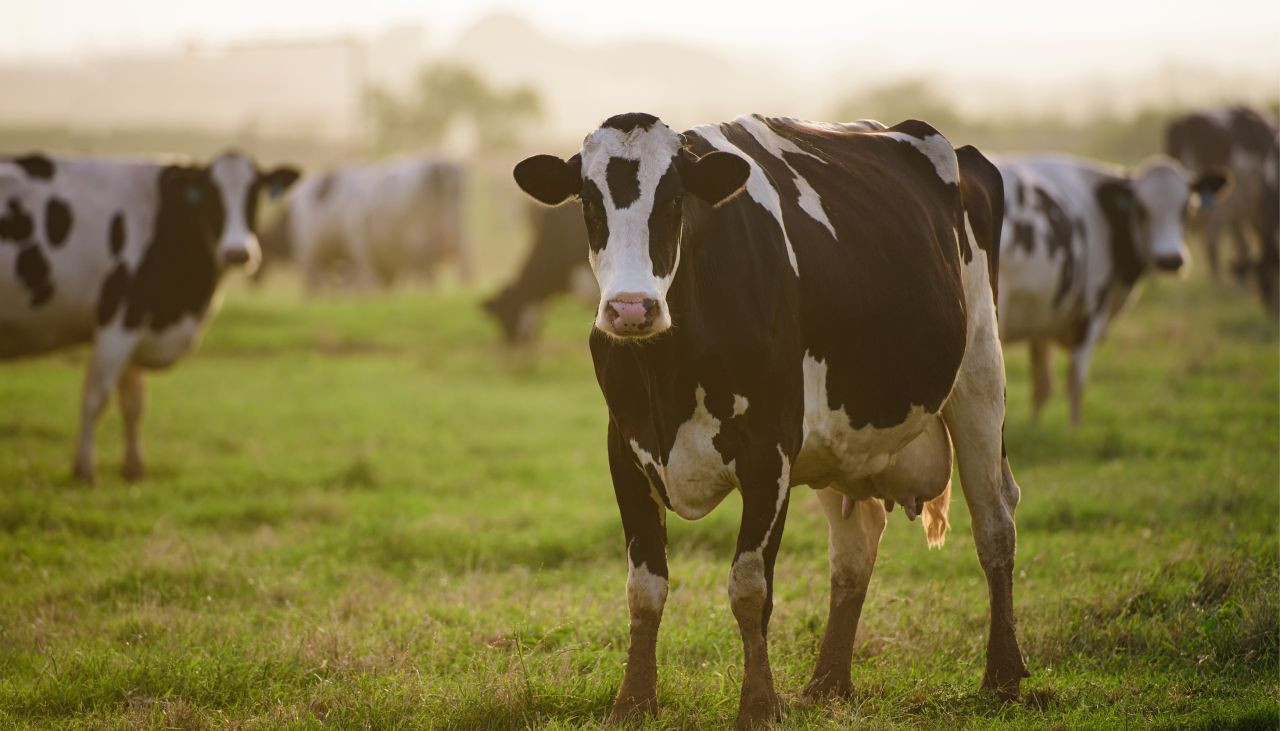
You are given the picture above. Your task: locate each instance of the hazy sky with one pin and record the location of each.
(1017, 39)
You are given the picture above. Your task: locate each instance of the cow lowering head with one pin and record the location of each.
(1150, 207)
(637, 183)
(222, 200)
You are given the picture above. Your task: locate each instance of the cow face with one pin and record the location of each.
(637, 184)
(236, 183)
(1155, 201)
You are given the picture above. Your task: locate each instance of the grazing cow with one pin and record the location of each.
(124, 254)
(790, 303)
(1078, 236)
(557, 263)
(1244, 142)
(383, 220)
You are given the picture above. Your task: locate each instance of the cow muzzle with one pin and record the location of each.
(632, 315)
(1169, 262)
(235, 257)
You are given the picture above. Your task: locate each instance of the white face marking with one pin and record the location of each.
(810, 201)
(624, 266)
(939, 152)
(758, 185)
(1163, 191)
(234, 176)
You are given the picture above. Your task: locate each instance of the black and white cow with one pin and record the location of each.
(556, 264)
(1078, 236)
(384, 221)
(790, 303)
(124, 254)
(1244, 142)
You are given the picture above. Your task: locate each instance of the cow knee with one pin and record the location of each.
(646, 591)
(748, 588)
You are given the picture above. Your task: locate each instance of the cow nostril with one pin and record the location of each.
(650, 306)
(236, 256)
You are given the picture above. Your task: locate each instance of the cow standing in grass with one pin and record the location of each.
(1244, 142)
(126, 255)
(1078, 237)
(788, 303)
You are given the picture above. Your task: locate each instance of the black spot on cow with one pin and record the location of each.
(114, 290)
(16, 224)
(623, 178)
(33, 270)
(1059, 237)
(57, 221)
(1024, 235)
(593, 215)
(630, 121)
(1117, 201)
(982, 192)
(1020, 191)
(115, 238)
(36, 165)
(915, 128)
(179, 271)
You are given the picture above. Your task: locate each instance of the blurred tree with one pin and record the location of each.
(444, 98)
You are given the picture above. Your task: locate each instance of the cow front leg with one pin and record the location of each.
(133, 397)
(1041, 380)
(851, 549)
(111, 353)
(765, 494)
(644, 525)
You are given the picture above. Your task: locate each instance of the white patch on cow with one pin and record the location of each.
(938, 150)
(836, 454)
(234, 175)
(1163, 189)
(776, 145)
(758, 185)
(646, 591)
(696, 477)
(164, 348)
(739, 405)
(624, 265)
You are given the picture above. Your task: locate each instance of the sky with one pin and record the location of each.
(1009, 39)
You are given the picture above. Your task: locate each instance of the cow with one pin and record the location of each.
(383, 220)
(793, 303)
(124, 254)
(556, 264)
(1244, 142)
(1078, 237)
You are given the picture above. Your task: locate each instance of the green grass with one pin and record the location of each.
(365, 513)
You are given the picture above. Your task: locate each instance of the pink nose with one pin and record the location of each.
(631, 312)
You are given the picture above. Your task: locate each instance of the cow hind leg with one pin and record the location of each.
(765, 494)
(975, 415)
(132, 392)
(1041, 380)
(851, 550)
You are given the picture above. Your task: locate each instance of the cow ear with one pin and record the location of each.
(716, 176)
(1206, 185)
(1116, 198)
(548, 179)
(278, 181)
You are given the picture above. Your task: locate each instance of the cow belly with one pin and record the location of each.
(835, 453)
(1028, 287)
(163, 348)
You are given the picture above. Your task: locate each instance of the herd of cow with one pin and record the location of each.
(780, 303)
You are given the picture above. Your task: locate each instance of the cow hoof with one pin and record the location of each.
(1004, 680)
(632, 709)
(820, 689)
(758, 711)
(133, 470)
(83, 474)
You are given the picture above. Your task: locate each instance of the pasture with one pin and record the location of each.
(366, 513)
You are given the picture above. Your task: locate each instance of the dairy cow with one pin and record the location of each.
(556, 264)
(127, 255)
(791, 303)
(1078, 237)
(1244, 142)
(384, 221)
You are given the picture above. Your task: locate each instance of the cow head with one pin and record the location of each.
(638, 184)
(1151, 205)
(223, 201)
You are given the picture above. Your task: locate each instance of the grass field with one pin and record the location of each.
(365, 513)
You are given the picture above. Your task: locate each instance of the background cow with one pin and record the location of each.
(556, 263)
(788, 303)
(127, 255)
(383, 221)
(1244, 142)
(1078, 236)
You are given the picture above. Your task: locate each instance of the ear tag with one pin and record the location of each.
(193, 194)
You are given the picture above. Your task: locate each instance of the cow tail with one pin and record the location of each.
(934, 518)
